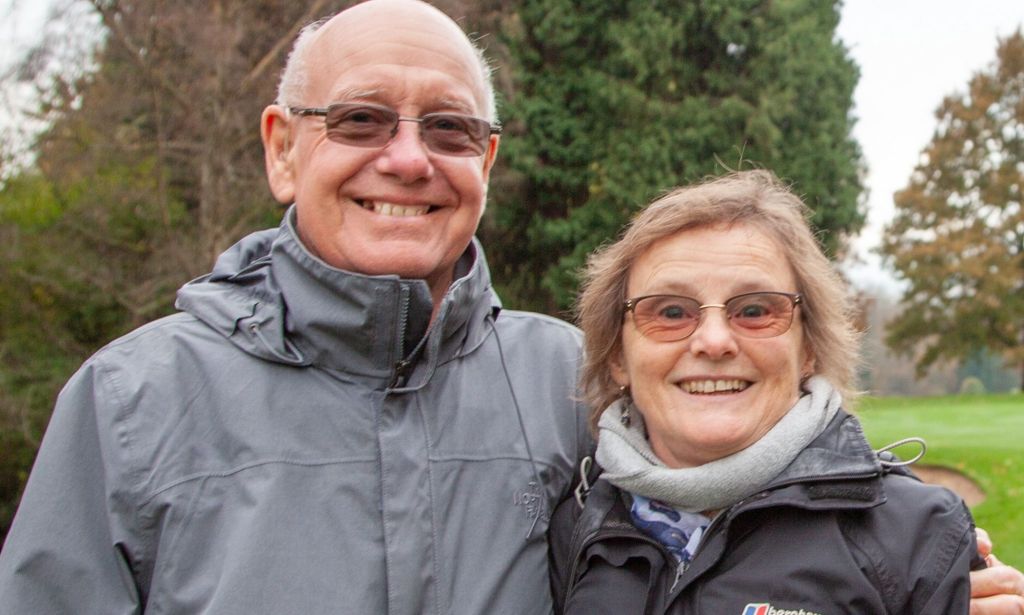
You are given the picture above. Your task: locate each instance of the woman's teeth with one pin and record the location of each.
(714, 386)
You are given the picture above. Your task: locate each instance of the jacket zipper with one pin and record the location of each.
(708, 533)
(402, 365)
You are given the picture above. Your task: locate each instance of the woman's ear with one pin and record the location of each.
(275, 131)
(808, 366)
(616, 365)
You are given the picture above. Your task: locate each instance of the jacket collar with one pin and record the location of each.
(838, 469)
(272, 298)
(840, 452)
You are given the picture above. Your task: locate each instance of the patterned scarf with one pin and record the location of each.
(679, 531)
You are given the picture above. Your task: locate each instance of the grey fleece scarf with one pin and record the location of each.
(631, 465)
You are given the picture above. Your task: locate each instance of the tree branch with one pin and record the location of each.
(270, 56)
(123, 37)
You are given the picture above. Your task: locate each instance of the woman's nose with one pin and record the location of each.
(713, 336)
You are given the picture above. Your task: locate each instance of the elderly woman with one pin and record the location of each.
(720, 363)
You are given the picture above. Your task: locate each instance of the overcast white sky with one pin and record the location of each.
(20, 26)
(911, 54)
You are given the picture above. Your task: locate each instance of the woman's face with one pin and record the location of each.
(756, 380)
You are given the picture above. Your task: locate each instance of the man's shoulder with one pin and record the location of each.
(158, 344)
(170, 329)
(540, 325)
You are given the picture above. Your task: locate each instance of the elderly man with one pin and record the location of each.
(340, 420)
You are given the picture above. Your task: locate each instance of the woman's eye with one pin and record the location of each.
(673, 312)
(753, 311)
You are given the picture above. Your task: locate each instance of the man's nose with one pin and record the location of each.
(406, 155)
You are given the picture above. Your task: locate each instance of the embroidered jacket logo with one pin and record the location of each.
(763, 608)
(532, 501)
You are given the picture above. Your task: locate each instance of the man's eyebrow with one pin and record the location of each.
(356, 93)
(458, 105)
(448, 103)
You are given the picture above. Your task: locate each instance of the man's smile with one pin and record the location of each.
(394, 209)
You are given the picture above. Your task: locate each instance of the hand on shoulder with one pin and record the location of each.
(998, 589)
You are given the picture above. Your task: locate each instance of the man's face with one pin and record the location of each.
(399, 209)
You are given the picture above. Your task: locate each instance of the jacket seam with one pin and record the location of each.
(248, 466)
(107, 378)
(485, 458)
(434, 538)
(950, 549)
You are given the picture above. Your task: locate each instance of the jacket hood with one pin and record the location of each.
(274, 299)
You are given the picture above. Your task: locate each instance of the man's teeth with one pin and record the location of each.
(714, 386)
(391, 209)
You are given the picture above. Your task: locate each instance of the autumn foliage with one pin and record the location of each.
(958, 235)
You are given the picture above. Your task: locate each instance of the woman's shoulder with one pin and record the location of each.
(921, 533)
(909, 502)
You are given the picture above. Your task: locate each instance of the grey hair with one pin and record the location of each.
(295, 77)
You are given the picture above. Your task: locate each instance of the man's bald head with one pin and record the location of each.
(361, 20)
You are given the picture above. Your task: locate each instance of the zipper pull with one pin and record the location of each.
(680, 569)
(401, 371)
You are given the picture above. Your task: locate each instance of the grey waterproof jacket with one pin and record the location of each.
(834, 533)
(303, 440)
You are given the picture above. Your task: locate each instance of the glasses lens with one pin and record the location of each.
(666, 318)
(760, 314)
(360, 125)
(455, 135)
(363, 125)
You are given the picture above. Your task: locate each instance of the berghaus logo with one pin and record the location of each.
(764, 608)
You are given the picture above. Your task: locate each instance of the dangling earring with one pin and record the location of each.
(624, 418)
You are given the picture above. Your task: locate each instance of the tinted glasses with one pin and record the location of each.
(366, 125)
(670, 318)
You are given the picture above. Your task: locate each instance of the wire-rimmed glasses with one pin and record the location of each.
(670, 318)
(368, 125)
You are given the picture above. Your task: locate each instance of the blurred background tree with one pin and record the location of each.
(614, 103)
(958, 235)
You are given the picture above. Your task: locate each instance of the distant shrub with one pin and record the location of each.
(972, 385)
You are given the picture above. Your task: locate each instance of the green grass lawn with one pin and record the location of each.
(980, 435)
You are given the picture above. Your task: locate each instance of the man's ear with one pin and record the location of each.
(490, 155)
(277, 152)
